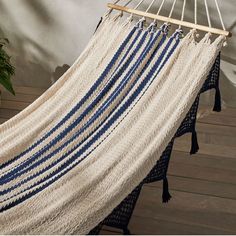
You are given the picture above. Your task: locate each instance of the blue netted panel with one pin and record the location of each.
(159, 171)
(188, 123)
(121, 215)
(212, 81)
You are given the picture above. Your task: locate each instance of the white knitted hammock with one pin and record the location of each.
(73, 155)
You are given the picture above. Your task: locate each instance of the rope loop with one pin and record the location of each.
(179, 34)
(140, 23)
(165, 28)
(130, 18)
(152, 27)
(207, 38)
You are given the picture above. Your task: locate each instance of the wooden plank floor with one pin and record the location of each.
(203, 186)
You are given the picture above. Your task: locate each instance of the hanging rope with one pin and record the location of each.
(208, 14)
(195, 16)
(137, 6)
(128, 3)
(195, 12)
(151, 4)
(182, 15)
(172, 9)
(183, 10)
(221, 19)
(159, 10)
(111, 10)
(116, 1)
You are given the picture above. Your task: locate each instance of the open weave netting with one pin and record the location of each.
(105, 128)
(121, 215)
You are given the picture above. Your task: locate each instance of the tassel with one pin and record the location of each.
(99, 23)
(195, 146)
(217, 106)
(165, 195)
(126, 231)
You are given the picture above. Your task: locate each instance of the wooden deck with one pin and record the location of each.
(203, 186)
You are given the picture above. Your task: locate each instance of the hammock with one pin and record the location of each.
(73, 155)
(121, 215)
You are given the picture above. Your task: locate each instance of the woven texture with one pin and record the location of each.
(71, 163)
(121, 216)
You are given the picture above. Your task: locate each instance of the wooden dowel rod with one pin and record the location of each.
(170, 20)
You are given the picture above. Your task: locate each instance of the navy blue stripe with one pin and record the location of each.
(125, 95)
(102, 131)
(81, 117)
(48, 167)
(22, 168)
(153, 54)
(62, 158)
(82, 101)
(150, 43)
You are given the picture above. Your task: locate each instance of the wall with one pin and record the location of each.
(48, 35)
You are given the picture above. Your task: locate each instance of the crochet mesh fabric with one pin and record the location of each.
(72, 157)
(121, 215)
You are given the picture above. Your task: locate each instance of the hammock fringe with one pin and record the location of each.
(194, 146)
(217, 105)
(165, 195)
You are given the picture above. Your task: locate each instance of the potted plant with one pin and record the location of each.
(6, 69)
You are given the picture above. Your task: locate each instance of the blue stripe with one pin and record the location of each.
(151, 42)
(147, 50)
(80, 118)
(82, 101)
(48, 167)
(21, 169)
(102, 131)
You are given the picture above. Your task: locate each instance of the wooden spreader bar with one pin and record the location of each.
(170, 20)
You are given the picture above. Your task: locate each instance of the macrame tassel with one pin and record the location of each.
(217, 106)
(126, 231)
(165, 195)
(195, 146)
(99, 23)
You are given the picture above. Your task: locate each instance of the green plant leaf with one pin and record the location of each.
(6, 69)
(6, 82)
(4, 41)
